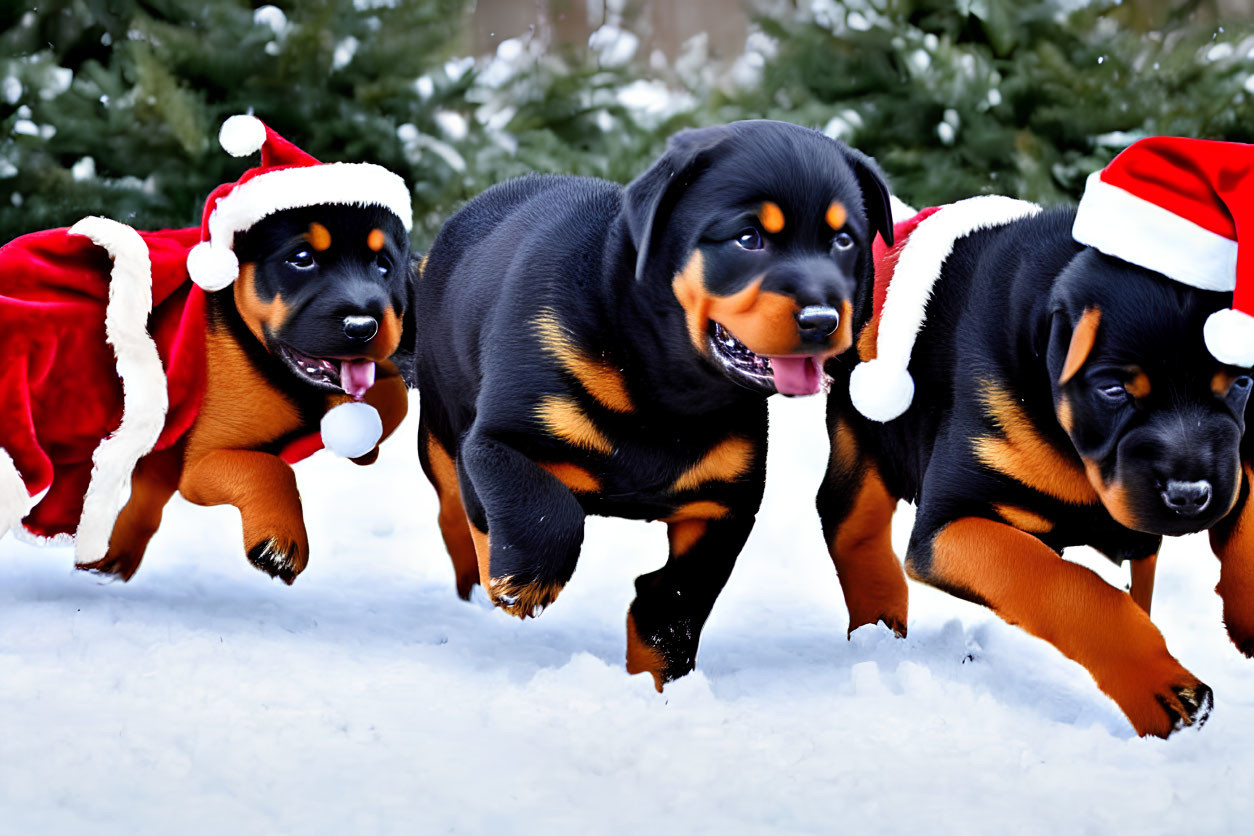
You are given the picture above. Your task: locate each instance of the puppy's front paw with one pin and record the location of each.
(524, 599)
(278, 559)
(1168, 708)
(114, 564)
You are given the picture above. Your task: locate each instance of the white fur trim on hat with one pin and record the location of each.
(1229, 337)
(242, 135)
(144, 396)
(1130, 228)
(884, 388)
(213, 268)
(351, 429)
(15, 502)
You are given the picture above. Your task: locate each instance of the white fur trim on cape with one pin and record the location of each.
(144, 396)
(1229, 337)
(213, 268)
(901, 210)
(15, 502)
(1119, 223)
(884, 388)
(242, 135)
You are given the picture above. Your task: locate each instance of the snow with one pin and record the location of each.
(367, 698)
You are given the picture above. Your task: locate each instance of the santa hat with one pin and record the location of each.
(287, 178)
(882, 388)
(1177, 206)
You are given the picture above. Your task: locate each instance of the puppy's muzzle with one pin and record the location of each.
(817, 322)
(360, 327)
(1188, 499)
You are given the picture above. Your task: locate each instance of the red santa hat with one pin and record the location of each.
(1178, 207)
(287, 178)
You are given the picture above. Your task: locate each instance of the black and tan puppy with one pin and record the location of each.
(310, 323)
(595, 350)
(1063, 397)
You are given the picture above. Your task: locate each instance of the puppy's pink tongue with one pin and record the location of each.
(356, 376)
(797, 375)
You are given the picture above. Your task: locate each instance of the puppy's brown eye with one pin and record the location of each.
(383, 264)
(842, 242)
(301, 260)
(749, 239)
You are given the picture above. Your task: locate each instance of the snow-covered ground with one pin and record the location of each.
(202, 697)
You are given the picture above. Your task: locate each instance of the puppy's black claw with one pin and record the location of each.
(1191, 707)
(276, 560)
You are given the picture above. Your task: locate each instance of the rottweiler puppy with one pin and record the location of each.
(310, 323)
(1063, 397)
(599, 350)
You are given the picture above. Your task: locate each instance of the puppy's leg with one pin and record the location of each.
(1142, 587)
(857, 512)
(1102, 628)
(526, 525)
(263, 488)
(154, 481)
(1233, 542)
(441, 470)
(672, 604)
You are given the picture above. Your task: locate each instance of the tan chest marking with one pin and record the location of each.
(562, 418)
(241, 409)
(598, 378)
(574, 477)
(1023, 519)
(727, 461)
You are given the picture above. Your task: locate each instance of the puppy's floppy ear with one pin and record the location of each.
(651, 194)
(874, 192)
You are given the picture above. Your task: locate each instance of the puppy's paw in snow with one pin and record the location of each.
(1161, 711)
(522, 598)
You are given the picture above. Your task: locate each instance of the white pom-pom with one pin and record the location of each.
(351, 429)
(213, 268)
(1230, 337)
(880, 390)
(242, 135)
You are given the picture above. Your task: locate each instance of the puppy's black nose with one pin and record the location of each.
(361, 327)
(1188, 499)
(818, 321)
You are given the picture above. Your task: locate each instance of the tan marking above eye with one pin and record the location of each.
(376, 239)
(771, 217)
(1082, 340)
(1025, 455)
(319, 237)
(836, 215)
(1139, 385)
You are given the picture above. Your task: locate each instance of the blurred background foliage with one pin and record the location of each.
(112, 106)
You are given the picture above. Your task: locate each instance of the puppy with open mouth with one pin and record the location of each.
(202, 360)
(600, 350)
